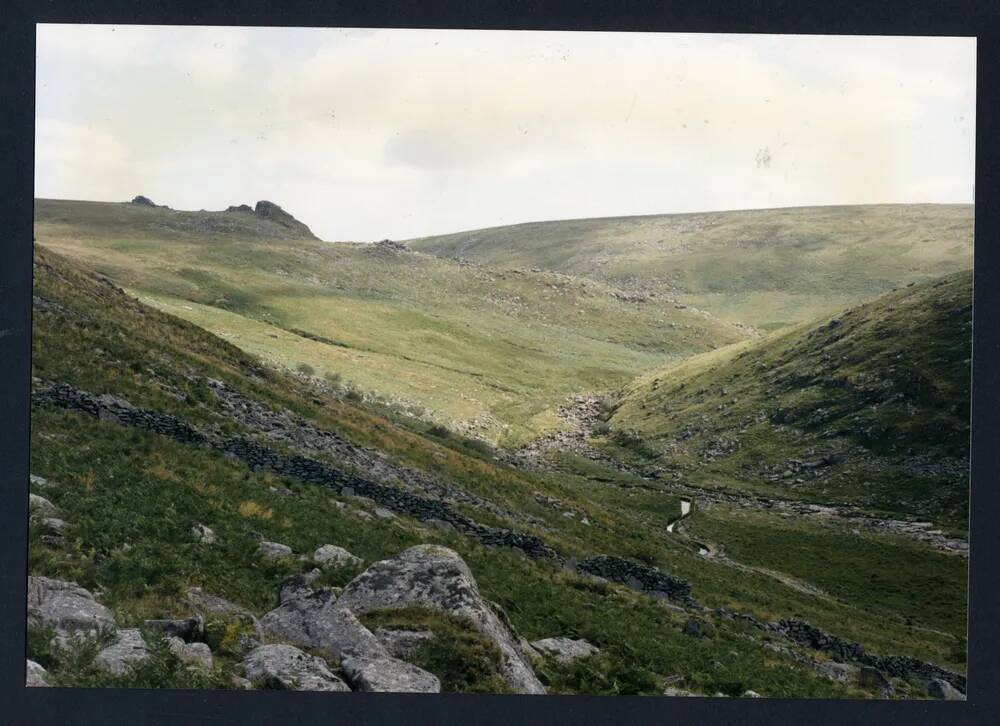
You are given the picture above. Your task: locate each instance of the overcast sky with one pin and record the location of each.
(367, 134)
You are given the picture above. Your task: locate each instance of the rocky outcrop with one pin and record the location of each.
(40, 506)
(317, 622)
(142, 201)
(67, 608)
(271, 211)
(564, 650)
(286, 668)
(201, 533)
(198, 655)
(435, 577)
(35, 675)
(329, 555)
(240, 208)
(213, 607)
(273, 550)
(128, 651)
(389, 675)
(939, 688)
(638, 577)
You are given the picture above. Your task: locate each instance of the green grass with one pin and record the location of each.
(885, 385)
(121, 487)
(767, 268)
(414, 329)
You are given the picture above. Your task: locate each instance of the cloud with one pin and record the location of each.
(374, 133)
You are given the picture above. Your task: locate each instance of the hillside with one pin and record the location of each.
(433, 336)
(765, 268)
(869, 407)
(170, 467)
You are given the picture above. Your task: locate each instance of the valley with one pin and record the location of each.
(535, 405)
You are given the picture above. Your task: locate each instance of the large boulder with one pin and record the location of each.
(274, 550)
(565, 650)
(285, 667)
(66, 607)
(36, 676)
(389, 675)
(40, 506)
(435, 577)
(317, 622)
(198, 655)
(940, 688)
(333, 556)
(128, 651)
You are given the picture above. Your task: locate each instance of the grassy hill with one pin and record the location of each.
(869, 407)
(766, 268)
(487, 352)
(130, 497)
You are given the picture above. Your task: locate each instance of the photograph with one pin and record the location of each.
(471, 361)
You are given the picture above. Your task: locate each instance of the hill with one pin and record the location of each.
(766, 268)
(170, 466)
(433, 336)
(869, 407)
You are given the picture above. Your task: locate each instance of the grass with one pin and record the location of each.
(131, 498)
(767, 268)
(884, 386)
(413, 329)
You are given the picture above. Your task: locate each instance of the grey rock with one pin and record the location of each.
(698, 628)
(126, 652)
(201, 533)
(330, 555)
(873, 678)
(66, 607)
(939, 688)
(565, 650)
(55, 525)
(241, 683)
(297, 586)
(389, 675)
(39, 481)
(198, 655)
(751, 694)
(436, 577)
(187, 629)
(402, 643)
(383, 513)
(274, 550)
(52, 540)
(286, 668)
(208, 605)
(143, 201)
(440, 524)
(36, 676)
(318, 622)
(679, 693)
(40, 506)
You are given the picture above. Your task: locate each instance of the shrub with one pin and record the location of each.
(438, 430)
(306, 369)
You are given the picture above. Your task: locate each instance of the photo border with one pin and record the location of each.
(103, 705)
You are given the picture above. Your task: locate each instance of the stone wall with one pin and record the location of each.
(259, 457)
(638, 577)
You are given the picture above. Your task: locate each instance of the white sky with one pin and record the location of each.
(367, 134)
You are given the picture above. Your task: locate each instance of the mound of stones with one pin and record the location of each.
(435, 577)
(638, 577)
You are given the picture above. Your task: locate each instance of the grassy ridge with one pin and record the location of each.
(431, 334)
(880, 394)
(767, 268)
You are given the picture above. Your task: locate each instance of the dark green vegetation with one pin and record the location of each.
(429, 335)
(870, 407)
(766, 268)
